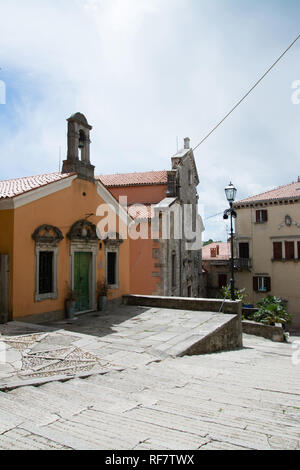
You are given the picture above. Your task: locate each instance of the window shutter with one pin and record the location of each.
(265, 215)
(298, 244)
(257, 217)
(277, 250)
(255, 283)
(268, 284)
(289, 250)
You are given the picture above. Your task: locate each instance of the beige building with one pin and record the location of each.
(268, 247)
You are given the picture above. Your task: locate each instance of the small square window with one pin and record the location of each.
(261, 216)
(262, 284)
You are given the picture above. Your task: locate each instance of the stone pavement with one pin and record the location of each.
(243, 399)
(98, 343)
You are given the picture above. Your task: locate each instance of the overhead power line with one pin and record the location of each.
(247, 94)
(212, 216)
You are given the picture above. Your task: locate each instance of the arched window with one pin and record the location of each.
(81, 145)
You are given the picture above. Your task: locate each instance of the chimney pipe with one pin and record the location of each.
(187, 141)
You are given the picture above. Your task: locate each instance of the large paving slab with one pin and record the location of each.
(126, 336)
(234, 400)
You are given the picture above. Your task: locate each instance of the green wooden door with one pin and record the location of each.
(82, 280)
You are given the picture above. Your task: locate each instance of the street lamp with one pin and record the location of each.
(230, 192)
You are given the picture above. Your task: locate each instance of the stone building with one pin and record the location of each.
(165, 204)
(268, 246)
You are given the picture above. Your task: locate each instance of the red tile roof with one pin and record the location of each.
(15, 187)
(143, 212)
(224, 251)
(134, 179)
(291, 190)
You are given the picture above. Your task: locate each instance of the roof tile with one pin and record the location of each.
(17, 186)
(291, 190)
(224, 251)
(134, 179)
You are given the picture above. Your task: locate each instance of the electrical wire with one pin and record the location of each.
(247, 94)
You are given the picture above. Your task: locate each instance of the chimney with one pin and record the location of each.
(187, 141)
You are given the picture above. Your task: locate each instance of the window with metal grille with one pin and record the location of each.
(45, 272)
(111, 268)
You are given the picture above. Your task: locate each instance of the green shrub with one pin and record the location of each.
(271, 310)
(238, 293)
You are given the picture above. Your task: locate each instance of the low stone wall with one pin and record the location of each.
(185, 303)
(274, 333)
(228, 337)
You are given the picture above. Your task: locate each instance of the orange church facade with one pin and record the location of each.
(50, 243)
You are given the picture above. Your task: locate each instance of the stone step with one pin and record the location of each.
(44, 400)
(18, 411)
(95, 398)
(19, 439)
(8, 421)
(103, 398)
(127, 433)
(210, 430)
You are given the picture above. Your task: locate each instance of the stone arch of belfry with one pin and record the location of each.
(78, 156)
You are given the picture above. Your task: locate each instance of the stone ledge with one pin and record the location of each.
(185, 303)
(274, 333)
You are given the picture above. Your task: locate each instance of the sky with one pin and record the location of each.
(147, 73)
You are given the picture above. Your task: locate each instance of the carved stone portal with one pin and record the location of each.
(47, 234)
(83, 230)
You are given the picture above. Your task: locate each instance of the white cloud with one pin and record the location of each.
(145, 72)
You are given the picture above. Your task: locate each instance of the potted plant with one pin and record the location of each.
(272, 310)
(102, 290)
(71, 298)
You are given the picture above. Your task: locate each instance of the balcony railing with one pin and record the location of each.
(243, 263)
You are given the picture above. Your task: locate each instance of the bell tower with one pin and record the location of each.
(78, 158)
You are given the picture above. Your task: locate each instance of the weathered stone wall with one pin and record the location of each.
(274, 333)
(188, 265)
(186, 303)
(225, 339)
